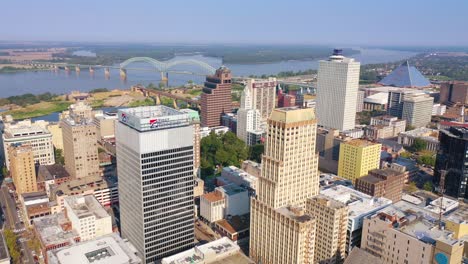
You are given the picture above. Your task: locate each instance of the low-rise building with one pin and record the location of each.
(205, 131)
(386, 183)
(438, 109)
(227, 200)
(221, 251)
(87, 216)
(232, 174)
(105, 190)
(103, 250)
(105, 125)
(51, 174)
(376, 102)
(359, 205)
(212, 206)
(406, 233)
(236, 228)
(34, 205)
(430, 136)
(383, 127)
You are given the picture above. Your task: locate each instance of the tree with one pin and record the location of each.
(59, 159)
(411, 187)
(419, 145)
(255, 152)
(405, 155)
(4, 171)
(428, 186)
(12, 245)
(427, 160)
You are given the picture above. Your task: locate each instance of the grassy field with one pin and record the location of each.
(39, 109)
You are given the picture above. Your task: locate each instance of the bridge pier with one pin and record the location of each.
(107, 73)
(164, 78)
(67, 69)
(91, 70)
(174, 103)
(123, 74)
(158, 100)
(77, 69)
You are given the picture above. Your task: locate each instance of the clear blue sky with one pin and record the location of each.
(361, 22)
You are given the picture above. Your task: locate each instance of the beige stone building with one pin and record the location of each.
(22, 168)
(105, 125)
(80, 148)
(263, 95)
(331, 217)
(57, 136)
(280, 231)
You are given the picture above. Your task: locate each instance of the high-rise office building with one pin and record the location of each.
(263, 95)
(454, 92)
(332, 222)
(357, 158)
(216, 97)
(22, 168)
(417, 110)
(155, 164)
(248, 118)
(450, 171)
(280, 231)
(337, 91)
(34, 134)
(80, 147)
(395, 101)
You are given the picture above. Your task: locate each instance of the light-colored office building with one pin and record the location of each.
(87, 216)
(428, 135)
(280, 230)
(417, 110)
(232, 174)
(357, 158)
(155, 159)
(406, 233)
(105, 125)
(337, 91)
(22, 168)
(57, 136)
(332, 222)
(195, 120)
(226, 200)
(34, 134)
(359, 205)
(382, 127)
(79, 110)
(212, 206)
(248, 118)
(80, 147)
(102, 250)
(263, 95)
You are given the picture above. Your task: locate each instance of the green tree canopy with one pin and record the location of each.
(255, 152)
(419, 144)
(428, 186)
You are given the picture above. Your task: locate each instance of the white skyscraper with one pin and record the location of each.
(337, 90)
(248, 118)
(155, 163)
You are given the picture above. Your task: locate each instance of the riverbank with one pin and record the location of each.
(13, 68)
(39, 109)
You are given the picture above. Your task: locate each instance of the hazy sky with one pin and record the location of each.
(368, 22)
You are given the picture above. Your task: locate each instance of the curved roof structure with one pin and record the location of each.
(405, 76)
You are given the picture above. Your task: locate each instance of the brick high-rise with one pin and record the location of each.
(216, 97)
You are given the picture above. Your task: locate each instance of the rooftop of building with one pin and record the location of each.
(108, 249)
(418, 98)
(415, 221)
(239, 172)
(423, 133)
(458, 132)
(442, 204)
(385, 172)
(295, 213)
(236, 223)
(360, 256)
(359, 203)
(33, 196)
(360, 143)
(86, 206)
(292, 114)
(331, 203)
(213, 196)
(25, 129)
(151, 111)
(405, 76)
(51, 172)
(78, 122)
(378, 98)
(4, 255)
(460, 214)
(221, 251)
(78, 186)
(327, 180)
(55, 229)
(231, 189)
(390, 143)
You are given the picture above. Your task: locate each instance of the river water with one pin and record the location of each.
(61, 82)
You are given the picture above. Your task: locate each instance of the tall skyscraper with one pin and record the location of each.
(155, 164)
(357, 158)
(280, 231)
(263, 95)
(22, 168)
(248, 118)
(337, 91)
(332, 222)
(80, 147)
(216, 97)
(450, 170)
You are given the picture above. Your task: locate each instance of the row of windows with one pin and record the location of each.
(159, 153)
(184, 177)
(166, 157)
(186, 191)
(188, 221)
(166, 162)
(166, 207)
(171, 173)
(178, 245)
(162, 233)
(161, 199)
(153, 226)
(166, 168)
(163, 218)
(164, 237)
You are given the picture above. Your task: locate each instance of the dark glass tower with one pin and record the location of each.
(451, 169)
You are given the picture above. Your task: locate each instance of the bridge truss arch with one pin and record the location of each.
(205, 66)
(161, 66)
(166, 66)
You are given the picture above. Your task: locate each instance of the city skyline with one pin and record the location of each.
(240, 23)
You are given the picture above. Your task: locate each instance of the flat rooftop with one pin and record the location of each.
(240, 173)
(109, 249)
(360, 143)
(51, 229)
(292, 114)
(359, 203)
(231, 189)
(147, 118)
(25, 130)
(213, 196)
(51, 172)
(79, 186)
(221, 251)
(423, 133)
(294, 213)
(86, 206)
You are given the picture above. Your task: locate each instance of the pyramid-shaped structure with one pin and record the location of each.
(405, 76)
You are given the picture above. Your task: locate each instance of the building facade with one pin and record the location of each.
(337, 91)
(386, 183)
(451, 173)
(263, 95)
(417, 110)
(280, 230)
(332, 221)
(22, 168)
(357, 158)
(454, 92)
(80, 148)
(216, 97)
(155, 159)
(248, 118)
